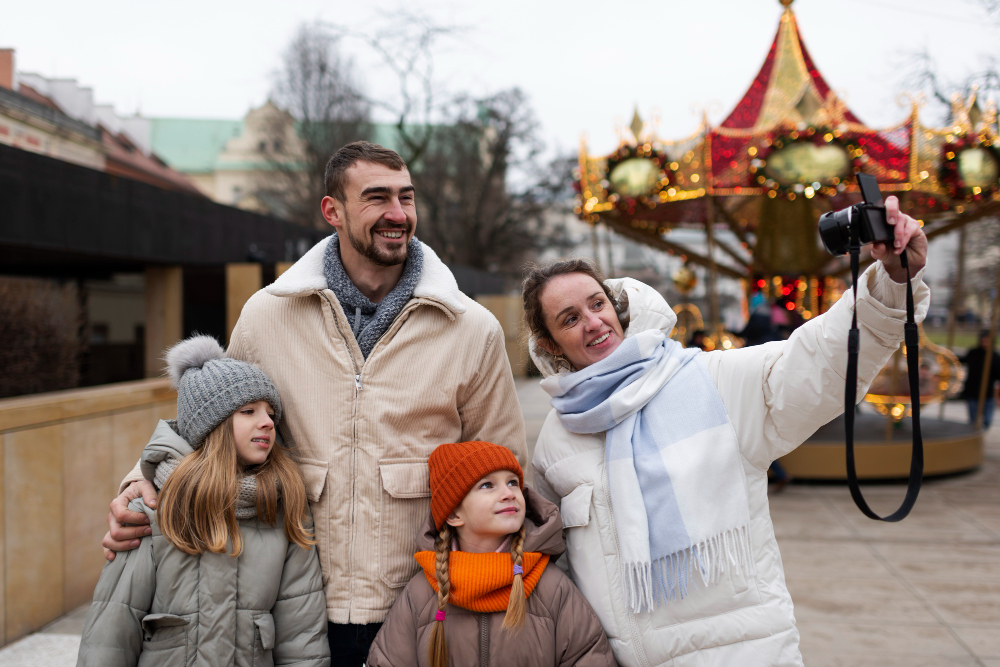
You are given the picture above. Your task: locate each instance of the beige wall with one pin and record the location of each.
(508, 310)
(242, 282)
(164, 303)
(62, 455)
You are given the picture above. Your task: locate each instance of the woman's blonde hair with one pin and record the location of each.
(197, 505)
(437, 648)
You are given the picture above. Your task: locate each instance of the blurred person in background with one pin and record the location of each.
(975, 362)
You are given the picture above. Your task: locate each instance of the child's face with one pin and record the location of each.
(491, 511)
(253, 430)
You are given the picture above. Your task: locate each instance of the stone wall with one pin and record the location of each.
(62, 456)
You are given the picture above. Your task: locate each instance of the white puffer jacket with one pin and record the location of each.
(777, 395)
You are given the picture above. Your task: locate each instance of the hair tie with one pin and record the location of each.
(439, 615)
(518, 570)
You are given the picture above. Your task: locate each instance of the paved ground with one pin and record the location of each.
(925, 592)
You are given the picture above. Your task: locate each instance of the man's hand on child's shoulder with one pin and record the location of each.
(125, 527)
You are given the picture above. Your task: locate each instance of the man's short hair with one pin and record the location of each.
(335, 176)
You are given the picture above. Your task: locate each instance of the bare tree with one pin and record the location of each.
(406, 45)
(326, 108)
(922, 74)
(484, 201)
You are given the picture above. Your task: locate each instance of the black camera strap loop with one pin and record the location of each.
(911, 340)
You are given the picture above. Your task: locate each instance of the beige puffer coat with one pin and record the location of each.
(776, 395)
(560, 628)
(157, 606)
(363, 428)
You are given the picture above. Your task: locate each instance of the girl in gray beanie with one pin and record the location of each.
(228, 576)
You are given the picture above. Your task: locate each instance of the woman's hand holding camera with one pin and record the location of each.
(909, 236)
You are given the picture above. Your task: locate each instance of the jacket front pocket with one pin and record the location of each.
(263, 640)
(405, 504)
(574, 509)
(164, 640)
(314, 475)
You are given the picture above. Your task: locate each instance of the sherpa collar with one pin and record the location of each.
(306, 277)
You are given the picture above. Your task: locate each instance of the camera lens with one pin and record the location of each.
(834, 231)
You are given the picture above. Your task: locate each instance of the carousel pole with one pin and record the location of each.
(595, 247)
(956, 297)
(607, 242)
(984, 383)
(582, 166)
(713, 296)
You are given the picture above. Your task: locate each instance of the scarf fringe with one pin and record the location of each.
(676, 575)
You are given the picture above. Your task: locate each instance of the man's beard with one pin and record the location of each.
(368, 249)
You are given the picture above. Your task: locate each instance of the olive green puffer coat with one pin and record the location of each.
(158, 606)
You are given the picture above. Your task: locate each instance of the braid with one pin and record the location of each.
(516, 608)
(437, 649)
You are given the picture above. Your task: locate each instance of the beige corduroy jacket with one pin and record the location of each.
(362, 429)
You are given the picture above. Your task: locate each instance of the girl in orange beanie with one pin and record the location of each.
(486, 594)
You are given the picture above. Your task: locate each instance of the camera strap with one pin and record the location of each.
(911, 339)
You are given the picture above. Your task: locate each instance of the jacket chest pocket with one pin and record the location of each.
(164, 640)
(405, 504)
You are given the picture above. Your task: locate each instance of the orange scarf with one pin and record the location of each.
(482, 582)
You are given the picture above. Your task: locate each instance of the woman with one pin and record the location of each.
(658, 455)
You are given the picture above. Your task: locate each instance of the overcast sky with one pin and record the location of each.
(584, 64)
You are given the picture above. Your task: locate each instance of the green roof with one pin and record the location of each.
(191, 144)
(194, 145)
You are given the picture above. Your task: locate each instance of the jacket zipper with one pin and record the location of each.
(358, 387)
(354, 438)
(633, 628)
(484, 641)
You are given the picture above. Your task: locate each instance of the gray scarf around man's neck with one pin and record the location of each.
(369, 320)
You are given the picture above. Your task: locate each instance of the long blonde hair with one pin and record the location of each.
(437, 648)
(197, 505)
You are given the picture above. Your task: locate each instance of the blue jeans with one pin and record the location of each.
(987, 411)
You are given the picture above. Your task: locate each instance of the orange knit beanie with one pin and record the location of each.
(456, 467)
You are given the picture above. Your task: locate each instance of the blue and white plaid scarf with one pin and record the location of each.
(678, 491)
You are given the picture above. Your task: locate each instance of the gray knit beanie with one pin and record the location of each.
(211, 386)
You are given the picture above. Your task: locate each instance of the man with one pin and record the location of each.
(975, 361)
(378, 358)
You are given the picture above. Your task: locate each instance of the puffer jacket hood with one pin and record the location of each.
(162, 455)
(166, 443)
(647, 309)
(560, 627)
(543, 528)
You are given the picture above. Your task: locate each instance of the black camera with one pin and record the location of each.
(835, 226)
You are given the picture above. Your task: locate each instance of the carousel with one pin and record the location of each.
(754, 187)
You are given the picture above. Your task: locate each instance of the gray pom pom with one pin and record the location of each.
(191, 353)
